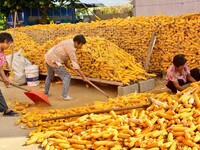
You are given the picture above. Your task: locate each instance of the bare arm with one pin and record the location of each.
(178, 87)
(3, 76)
(190, 78)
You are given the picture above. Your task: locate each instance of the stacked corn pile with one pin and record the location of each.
(24, 42)
(171, 122)
(109, 62)
(131, 34)
(44, 33)
(128, 34)
(178, 34)
(99, 58)
(174, 35)
(103, 60)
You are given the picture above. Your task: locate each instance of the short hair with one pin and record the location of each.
(80, 39)
(179, 60)
(5, 36)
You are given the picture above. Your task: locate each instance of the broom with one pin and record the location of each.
(11, 74)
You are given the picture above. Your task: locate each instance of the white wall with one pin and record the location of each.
(165, 7)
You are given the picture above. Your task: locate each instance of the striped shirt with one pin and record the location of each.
(61, 53)
(173, 75)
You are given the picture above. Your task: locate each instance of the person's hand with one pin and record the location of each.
(7, 82)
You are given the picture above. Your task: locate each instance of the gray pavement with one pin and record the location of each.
(13, 137)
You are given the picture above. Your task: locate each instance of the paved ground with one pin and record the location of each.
(13, 137)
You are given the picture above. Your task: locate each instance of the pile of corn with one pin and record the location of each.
(44, 33)
(24, 42)
(171, 122)
(98, 59)
(177, 34)
(180, 35)
(103, 60)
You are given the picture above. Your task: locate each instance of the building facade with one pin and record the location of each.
(165, 7)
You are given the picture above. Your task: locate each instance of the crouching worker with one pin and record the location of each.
(178, 74)
(59, 55)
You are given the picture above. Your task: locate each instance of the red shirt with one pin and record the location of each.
(174, 75)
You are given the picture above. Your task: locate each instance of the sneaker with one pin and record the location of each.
(67, 98)
(10, 113)
(47, 94)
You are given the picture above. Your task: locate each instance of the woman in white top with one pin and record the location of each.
(60, 54)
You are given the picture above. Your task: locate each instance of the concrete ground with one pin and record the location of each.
(13, 137)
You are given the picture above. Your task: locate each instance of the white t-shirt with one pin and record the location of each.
(61, 53)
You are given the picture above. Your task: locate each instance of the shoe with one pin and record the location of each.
(10, 113)
(67, 98)
(47, 94)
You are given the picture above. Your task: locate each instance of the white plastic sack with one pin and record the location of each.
(18, 66)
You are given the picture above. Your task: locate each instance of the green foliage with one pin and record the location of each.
(2, 22)
(10, 6)
(116, 9)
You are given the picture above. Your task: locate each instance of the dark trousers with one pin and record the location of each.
(194, 73)
(3, 105)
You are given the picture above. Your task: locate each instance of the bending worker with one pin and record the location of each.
(60, 54)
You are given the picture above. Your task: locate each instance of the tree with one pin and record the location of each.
(10, 6)
(2, 22)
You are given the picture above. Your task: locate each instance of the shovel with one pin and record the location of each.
(68, 66)
(34, 96)
(90, 83)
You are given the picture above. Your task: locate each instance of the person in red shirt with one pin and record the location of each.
(5, 41)
(178, 74)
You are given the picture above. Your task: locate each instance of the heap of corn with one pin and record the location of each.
(24, 42)
(44, 33)
(98, 59)
(171, 122)
(103, 60)
(182, 36)
(177, 34)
